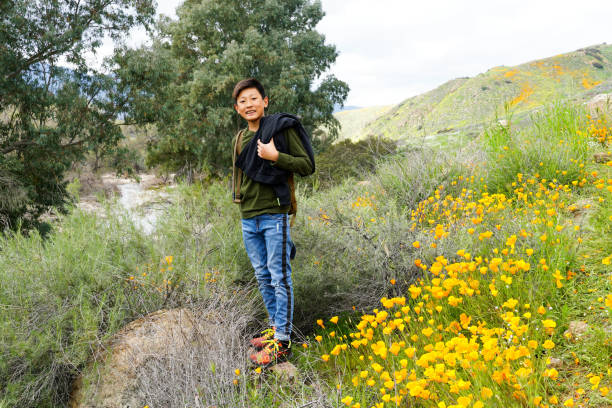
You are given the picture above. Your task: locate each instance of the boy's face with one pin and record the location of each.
(250, 105)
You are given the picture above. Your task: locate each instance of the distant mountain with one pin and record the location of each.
(463, 106)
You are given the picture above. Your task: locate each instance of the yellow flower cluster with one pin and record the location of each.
(599, 131)
(434, 356)
(367, 200)
(155, 276)
(466, 331)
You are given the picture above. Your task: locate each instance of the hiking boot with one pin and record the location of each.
(274, 351)
(266, 336)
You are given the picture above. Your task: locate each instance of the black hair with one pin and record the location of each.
(248, 83)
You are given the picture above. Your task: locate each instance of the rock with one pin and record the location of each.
(151, 181)
(286, 370)
(364, 183)
(554, 362)
(128, 352)
(599, 104)
(580, 207)
(602, 157)
(576, 329)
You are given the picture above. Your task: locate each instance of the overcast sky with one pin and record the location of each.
(393, 49)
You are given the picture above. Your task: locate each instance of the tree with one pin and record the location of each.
(184, 80)
(51, 116)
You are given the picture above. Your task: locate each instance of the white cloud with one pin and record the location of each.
(392, 49)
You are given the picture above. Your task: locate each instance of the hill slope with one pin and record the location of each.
(353, 121)
(463, 105)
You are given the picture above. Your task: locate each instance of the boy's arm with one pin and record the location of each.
(297, 161)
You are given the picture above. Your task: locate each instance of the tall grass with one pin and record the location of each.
(62, 298)
(549, 146)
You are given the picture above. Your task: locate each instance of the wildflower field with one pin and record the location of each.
(477, 276)
(513, 253)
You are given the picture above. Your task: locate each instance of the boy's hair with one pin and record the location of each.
(248, 83)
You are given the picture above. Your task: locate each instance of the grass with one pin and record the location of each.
(551, 148)
(424, 224)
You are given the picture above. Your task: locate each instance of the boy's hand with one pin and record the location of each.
(267, 150)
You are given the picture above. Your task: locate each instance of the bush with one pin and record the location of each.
(199, 363)
(67, 295)
(347, 159)
(64, 297)
(417, 174)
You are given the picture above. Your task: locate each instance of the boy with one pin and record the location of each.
(265, 156)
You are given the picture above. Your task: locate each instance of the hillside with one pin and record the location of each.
(461, 107)
(353, 121)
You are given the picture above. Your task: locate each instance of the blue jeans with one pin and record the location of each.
(268, 245)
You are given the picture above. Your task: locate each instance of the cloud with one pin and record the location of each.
(391, 49)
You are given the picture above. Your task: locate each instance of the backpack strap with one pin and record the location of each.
(293, 207)
(236, 172)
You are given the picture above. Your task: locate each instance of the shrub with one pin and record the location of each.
(347, 159)
(67, 295)
(416, 174)
(199, 364)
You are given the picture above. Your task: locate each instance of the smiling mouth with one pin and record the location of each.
(249, 112)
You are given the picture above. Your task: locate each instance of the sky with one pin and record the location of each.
(390, 50)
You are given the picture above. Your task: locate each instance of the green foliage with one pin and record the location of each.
(184, 81)
(413, 177)
(51, 116)
(346, 159)
(64, 298)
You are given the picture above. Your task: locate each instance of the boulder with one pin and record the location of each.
(111, 379)
(576, 329)
(286, 371)
(580, 207)
(599, 104)
(602, 157)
